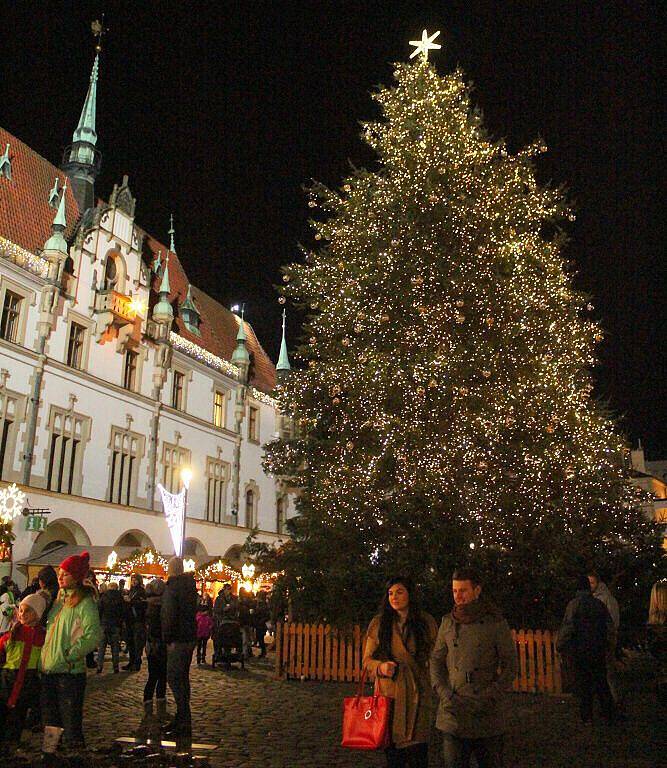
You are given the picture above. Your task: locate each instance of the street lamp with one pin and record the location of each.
(186, 477)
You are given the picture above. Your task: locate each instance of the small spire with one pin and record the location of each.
(85, 130)
(171, 233)
(240, 354)
(53, 194)
(158, 263)
(188, 302)
(283, 359)
(57, 241)
(240, 336)
(60, 219)
(163, 312)
(6, 164)
(164, 285)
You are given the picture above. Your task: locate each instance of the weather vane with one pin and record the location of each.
(425, 45)
(98, 30)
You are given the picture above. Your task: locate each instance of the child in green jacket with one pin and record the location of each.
(72, 631)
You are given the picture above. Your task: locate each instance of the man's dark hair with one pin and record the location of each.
(467, 574)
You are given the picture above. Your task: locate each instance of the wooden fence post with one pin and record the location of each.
(278, 672)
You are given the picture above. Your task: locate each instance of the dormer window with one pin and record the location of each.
(190, 314)
(6, 164)
(54, 195)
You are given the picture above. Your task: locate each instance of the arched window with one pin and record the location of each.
(110, 273)
(68, 266)
(249, 508)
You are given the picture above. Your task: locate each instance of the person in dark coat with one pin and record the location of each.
(587, 640)
(112, 609)
(473, 663)
(179, 632)
(156, 652)
(135, 617)
(261, 614)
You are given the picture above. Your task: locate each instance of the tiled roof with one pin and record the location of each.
(25, 213)
(26, 218)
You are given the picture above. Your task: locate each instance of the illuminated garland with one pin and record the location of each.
(148, 558)
(22, 258)
(264, 398)
(217, 568)
(213, 361)
(203, 355)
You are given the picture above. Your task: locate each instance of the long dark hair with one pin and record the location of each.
(414, 624)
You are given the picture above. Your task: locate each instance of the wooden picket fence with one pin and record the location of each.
(322, 652)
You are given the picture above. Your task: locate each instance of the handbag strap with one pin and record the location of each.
(362, 680)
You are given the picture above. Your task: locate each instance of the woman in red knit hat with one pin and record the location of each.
(72, 631)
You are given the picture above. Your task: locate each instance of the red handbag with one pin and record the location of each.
(366, 719)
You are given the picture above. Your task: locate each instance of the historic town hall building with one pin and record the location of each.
(115, 372)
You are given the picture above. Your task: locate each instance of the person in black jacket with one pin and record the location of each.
(112, 609)
(179, 632)
(156, 653)
(587, 639)
(135, 618)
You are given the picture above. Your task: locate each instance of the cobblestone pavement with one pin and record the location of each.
(262, 723)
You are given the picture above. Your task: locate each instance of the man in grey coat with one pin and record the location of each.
(472, 664)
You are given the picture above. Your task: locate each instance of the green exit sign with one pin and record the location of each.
(35, 523)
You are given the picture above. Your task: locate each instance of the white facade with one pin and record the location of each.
(111, 377)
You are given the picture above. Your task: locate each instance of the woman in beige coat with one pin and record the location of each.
(398, 645)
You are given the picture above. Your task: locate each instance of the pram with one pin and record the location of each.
(228, 645)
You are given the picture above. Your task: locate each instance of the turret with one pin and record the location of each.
(163, 312)
(55, 248)
(240, 356)
(81, 161)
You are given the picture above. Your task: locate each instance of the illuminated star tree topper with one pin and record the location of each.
(425, 45)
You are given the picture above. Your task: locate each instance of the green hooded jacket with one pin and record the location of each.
(71, 633)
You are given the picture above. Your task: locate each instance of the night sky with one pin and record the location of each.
(222, 111)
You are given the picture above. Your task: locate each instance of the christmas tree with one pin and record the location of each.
(444, 405)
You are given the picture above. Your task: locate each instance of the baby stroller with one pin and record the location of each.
(229, 645)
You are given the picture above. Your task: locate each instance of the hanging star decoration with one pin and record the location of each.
(425, 45)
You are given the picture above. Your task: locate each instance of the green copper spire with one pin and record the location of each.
(283, 359)
(57, 242)
(240, 354)
(164, 285)
(84, 138)
(172, 232)
(163, 312)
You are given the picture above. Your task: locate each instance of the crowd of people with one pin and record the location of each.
(469, 661)
(64, 622)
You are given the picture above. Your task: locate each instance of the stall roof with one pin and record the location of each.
(55, 556)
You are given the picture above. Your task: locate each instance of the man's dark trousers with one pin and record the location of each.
(457, 752)
(590, 681)
(179, 658)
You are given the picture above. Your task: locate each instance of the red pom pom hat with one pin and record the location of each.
(77, 566)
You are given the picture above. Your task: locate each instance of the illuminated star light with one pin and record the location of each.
(425, 45)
